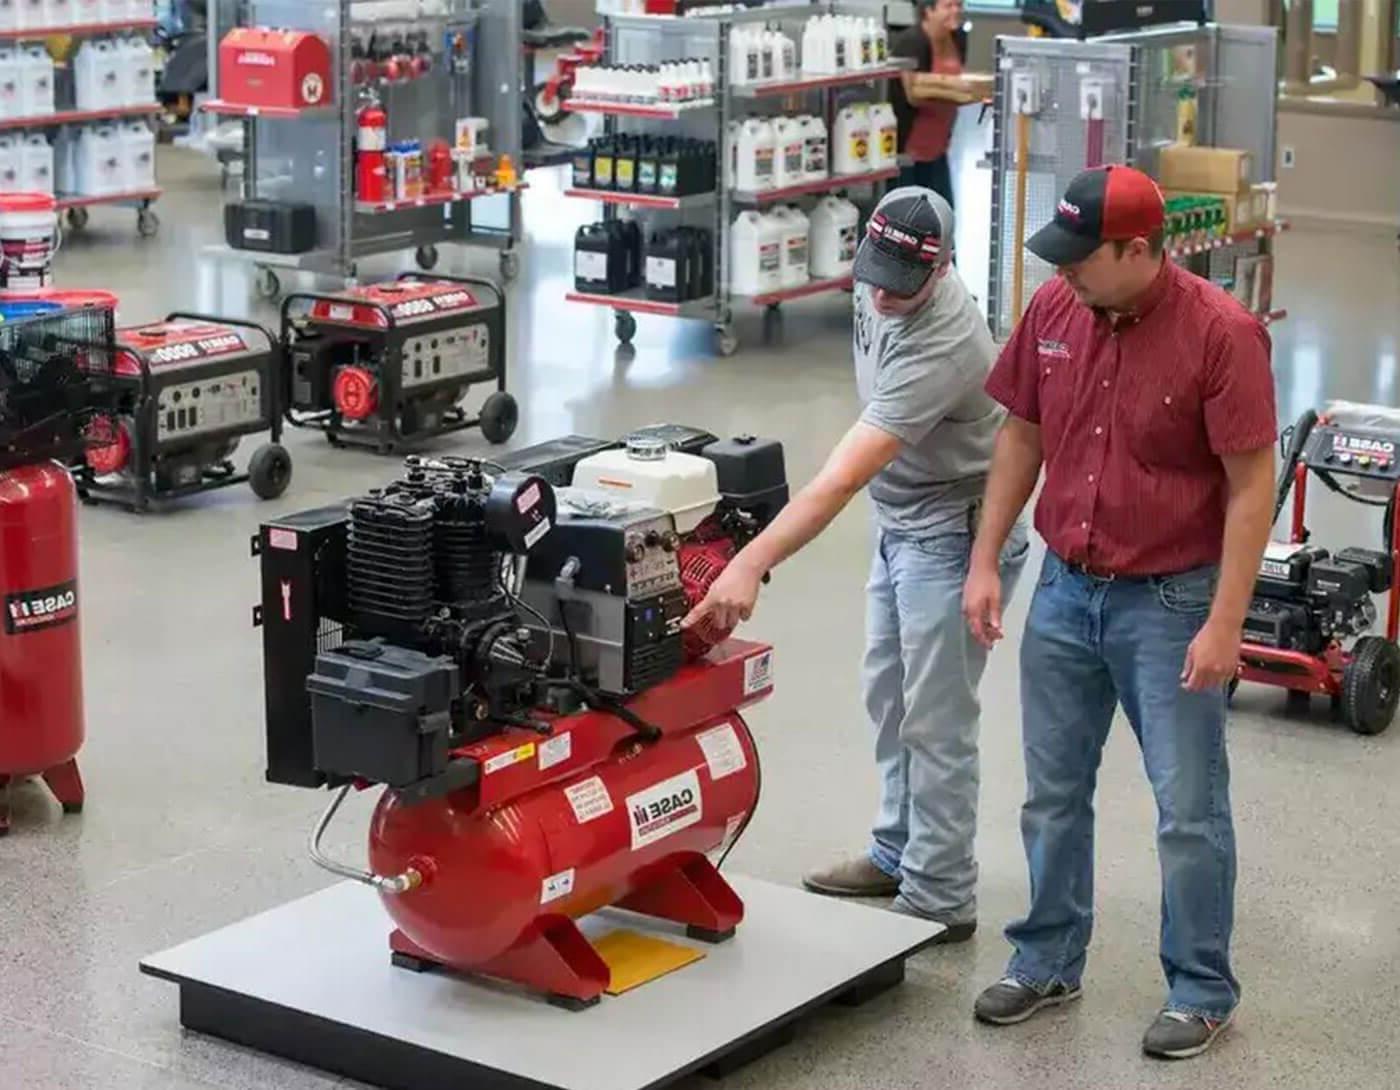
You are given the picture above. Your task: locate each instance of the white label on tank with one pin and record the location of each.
(557, 886)
(758, 673)
(556, 751)
(661, 272)
(510, 757)
(664, 809)
(589, 265)
(590, 800)
(528, 498)
(731, 832)
(257, 234)
(848, 244)
(769, 257)
(282, 539)
(538, 532)
(722, 750)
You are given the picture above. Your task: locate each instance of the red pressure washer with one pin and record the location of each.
(1309, 604)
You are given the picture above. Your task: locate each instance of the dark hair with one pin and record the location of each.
(1155, 244)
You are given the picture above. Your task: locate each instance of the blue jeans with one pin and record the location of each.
(920, 678)
(1089, 644)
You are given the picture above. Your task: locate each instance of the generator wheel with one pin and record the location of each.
(625, 326)
(500, 416)
(427, 257)
(267, 283)
(1371, 685)
(147, 223)
(270, 471)
(78, 218)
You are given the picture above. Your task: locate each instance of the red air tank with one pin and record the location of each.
(41, 683)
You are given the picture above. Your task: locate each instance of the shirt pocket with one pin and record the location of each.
(1166, 422)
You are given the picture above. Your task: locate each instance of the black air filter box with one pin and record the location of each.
(752, 474)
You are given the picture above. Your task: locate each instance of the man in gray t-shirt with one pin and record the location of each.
(923, 445)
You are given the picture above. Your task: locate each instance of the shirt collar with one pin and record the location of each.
(1150, 300)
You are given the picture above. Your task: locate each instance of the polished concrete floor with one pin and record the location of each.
(181, 835)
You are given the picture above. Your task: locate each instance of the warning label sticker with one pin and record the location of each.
(590, 800)
(722, 750)
(556, 886)
(666, 808)
(510, 757)
(731, 832)
(556, 751)
(758, 673)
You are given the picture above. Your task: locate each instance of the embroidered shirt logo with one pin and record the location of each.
(1069, 211)
(1052, 349)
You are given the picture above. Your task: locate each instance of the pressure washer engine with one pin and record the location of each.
(1309, 604)
(537, 766)
(378, 365)
(184, 392)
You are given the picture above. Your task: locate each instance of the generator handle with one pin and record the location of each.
(475, 281)
(274, 345)
(190, 315)
(319, 297)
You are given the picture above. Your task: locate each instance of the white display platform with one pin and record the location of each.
(311, 981)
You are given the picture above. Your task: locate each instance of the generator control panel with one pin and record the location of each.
(1353, 450)
(446, 354)
(213, 404)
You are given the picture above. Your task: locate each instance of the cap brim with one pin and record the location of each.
(1054, 244)
(880, 270)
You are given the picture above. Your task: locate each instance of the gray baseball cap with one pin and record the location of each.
(909, 236)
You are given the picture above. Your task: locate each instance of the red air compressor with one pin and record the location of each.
(506, 658)
(51, 369)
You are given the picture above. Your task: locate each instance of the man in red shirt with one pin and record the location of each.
(1146, 394)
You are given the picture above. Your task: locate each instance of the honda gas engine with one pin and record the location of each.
(1306, 598)
(500, 647)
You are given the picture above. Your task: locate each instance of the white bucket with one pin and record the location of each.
(28, 240)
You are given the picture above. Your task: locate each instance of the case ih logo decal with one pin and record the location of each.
(1069, 211)
(32, 610)
(1359, 444)
(669, 807)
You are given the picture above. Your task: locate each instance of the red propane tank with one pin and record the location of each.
(41, 682)
(566, 848)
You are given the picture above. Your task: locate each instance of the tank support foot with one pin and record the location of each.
(694, 894)
(67, 786)
(4, 805)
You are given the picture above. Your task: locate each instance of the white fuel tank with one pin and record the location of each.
(648, 472)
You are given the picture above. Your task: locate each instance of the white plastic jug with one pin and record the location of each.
(10, 14)
(58, 13)
(884, 143)
(36, 164)
(97, 75)
(796, 228)
(115, 11)
(101, 165)
(36, 82)
(756, 144)
(816, 159)
(850, 152)
(11, 83)
(139, 155)
(146, 9)
(88, 12)
(855, 42)
(138, 68)
(834, 237)
(32, 14)
(745, 45)
(789, 159)
(11, 164)
(755, 245)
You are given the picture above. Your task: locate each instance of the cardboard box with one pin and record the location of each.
(1241, 209)
(1204, 170)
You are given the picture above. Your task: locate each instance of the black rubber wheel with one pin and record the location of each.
(270, 471)
(427, 257)
(499, 417)
(625, 326)
(147, 223)
(78, 218)
(1371, 685)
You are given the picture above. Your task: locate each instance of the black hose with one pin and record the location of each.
(1295, 438)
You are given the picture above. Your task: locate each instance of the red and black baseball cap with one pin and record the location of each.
(1106, 204)
(910, 234)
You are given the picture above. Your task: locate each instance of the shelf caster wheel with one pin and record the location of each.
(270, 471)
(625, 326)
(510, 265)
(726, 340)
(147, 223)
(427, 257)
(78, 218)
(268, 284)
(500, 416)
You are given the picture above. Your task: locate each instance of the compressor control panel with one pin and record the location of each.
(1353, 451)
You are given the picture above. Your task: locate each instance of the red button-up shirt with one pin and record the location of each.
(1134, 417)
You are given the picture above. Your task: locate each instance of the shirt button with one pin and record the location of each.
(1166, 400)
(1098, 431)
(1047, 370)
(1083, 525)
(1091, 478)
(1105, 384)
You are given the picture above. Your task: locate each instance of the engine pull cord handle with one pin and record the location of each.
(410, 879)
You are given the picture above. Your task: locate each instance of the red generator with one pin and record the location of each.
(274, 69)
(51, 369)
(505, 657)
(380, 365)
(182, 394)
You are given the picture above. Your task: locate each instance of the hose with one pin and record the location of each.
(393, 884)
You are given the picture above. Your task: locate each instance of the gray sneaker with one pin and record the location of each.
(1176, 1035)
(951, 933)
(852, 878)
(1009, 1001)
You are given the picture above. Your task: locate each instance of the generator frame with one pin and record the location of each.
(139, 493)
(498, 415)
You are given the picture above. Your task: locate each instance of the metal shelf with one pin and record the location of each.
(634, 301)
(236, 109)
(375, 208)
(643, 200)
(819, 185)
(637, 109)
(817, 83)
(1273, 316)
(812, 287)
(70, 117)
(33, 34)
(124, 197)
(1239, 238)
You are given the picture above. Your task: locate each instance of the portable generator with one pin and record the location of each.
(504, 655)
(378, 365)
(183, 393)
(52, 369)
(1309, 625)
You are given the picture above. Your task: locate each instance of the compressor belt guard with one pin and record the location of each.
(502, 651)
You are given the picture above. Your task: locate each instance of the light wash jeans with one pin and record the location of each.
(920, 678)
(1089, 644)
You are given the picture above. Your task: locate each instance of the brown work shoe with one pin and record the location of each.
(857, 877)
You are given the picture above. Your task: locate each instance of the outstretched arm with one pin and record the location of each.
(861, 453)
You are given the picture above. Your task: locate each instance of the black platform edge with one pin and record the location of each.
(397, 1065)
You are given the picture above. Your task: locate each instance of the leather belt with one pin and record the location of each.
(1103, 575)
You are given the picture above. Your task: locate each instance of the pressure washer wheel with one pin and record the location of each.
(1371, 685)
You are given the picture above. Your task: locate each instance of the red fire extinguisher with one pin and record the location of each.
(371, 174)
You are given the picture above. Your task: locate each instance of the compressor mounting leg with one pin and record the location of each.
(695, 894)
(67, 786)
